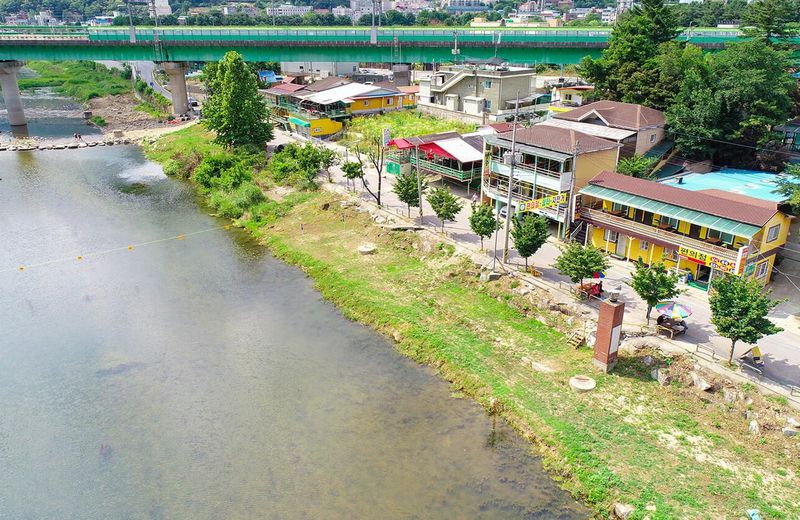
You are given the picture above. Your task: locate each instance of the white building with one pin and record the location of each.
(159, 8)
(288, 10)
(45, 18)
(412, 6)
(231, 9)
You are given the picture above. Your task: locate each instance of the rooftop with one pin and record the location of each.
(752, 213)
(605, 132)
(752, 184)
(557, 139)
(616, 114)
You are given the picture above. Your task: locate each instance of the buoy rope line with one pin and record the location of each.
(94, 254)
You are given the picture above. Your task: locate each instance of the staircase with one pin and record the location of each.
(578, 232)
(575, 340)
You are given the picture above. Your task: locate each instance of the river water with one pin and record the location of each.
(203, 379)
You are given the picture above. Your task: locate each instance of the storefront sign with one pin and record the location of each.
(714, 262)
(544, 202)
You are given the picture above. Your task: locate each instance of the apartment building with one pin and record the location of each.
(288, 10)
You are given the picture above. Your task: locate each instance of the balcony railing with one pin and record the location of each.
(600, 218)
(524, 168)
(499, 191)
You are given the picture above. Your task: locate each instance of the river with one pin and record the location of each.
(203, 379)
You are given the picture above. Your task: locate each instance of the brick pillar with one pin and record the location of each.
(609, 328)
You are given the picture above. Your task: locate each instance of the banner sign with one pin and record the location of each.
(726, 266)
(544, 202)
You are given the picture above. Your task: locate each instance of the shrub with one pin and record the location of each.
(248, 195)
(172, 168)
(224, 204)
(211, 168)
(98, 121)
(232, 177)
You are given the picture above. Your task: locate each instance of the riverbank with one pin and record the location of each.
(670, 451)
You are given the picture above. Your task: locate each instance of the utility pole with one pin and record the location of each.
(419, 181)
(131, 30)
(511, 178)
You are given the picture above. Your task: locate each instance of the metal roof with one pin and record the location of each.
(460, 149)
(615, 134)
(669, 210)
(340, 93)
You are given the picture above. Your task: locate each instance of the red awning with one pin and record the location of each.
(400, 143)
(435, 149)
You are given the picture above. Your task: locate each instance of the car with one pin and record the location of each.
(193, 102)
(280, 148)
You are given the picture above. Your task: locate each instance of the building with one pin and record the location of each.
(551, 165)
(321, 69)
(481, 89)
(246, 9)
(648, 123)
(698, 233)
(565, 97)
(447, 155)
(45, 18)
(791, 134)
(287, 10)
(321, 108)
(466, 6)
(17, 19)
(159, 8)
(412, 6)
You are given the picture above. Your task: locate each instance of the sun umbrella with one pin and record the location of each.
(674, 310)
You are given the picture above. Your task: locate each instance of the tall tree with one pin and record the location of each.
(234, 109)
(635, 166)
(694, 117)
(529, 234)
(352, 171)
(407, 190)
(483, 221)
(445, 205)
(654, 284)
(739, 309)
(771, 20)
(790, 186)
(578, 262)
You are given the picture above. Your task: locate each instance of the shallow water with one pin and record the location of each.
(49, 115)
(203, 379)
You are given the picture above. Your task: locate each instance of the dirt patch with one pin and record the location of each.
(120, 113)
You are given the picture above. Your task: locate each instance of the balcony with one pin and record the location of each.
(601, 219)
(498, 189)
(547, 179)
(435, 168)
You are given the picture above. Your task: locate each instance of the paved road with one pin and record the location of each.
(781, 351)
(146, 71)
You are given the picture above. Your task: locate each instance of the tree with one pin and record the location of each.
(327, 159)
(445, 205)
(529, 234)
(790, 186)
(739, 309)
(654, 284)
(693, 118)
(578, 262)
(483, 221)
(407, 189)
(352, 171)
(770, 20)
(234, 109)
(635, 166)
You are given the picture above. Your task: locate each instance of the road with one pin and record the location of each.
(781, 351)
(146, 71)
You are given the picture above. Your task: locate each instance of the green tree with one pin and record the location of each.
(578, 262)
(635, 166)
(771, 20)
(234, 109)
(483, 222)
(654, 284)
(739, 309)
(328, 158)
(529, 234)
(407, 189)
(445, 205)
(694, 116)
(352, 171)
(790, 186)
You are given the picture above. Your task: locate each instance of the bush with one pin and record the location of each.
(211, 168)
(98, 121)
(172, 168)
(248, 195)
(224, 204)
(232, 177)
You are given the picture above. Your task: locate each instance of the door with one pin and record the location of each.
(622, 246)
(694, 231)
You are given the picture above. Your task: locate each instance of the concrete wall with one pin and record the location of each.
(442, 112)
(645, 140)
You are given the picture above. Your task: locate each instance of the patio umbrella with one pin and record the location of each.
(674, 310)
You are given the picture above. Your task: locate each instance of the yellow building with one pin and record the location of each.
(700, 234)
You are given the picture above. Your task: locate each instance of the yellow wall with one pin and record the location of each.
(409, 100)
(783, 235)
(322, 127)
(588, 165)
(373, 104)
(643, 143)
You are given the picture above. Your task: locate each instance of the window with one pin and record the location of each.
(390, 101)
(644, 246)
(671, 255)
(610, 236)
(652, 138)
(487, 83)
(568, 97)
(318, 130)
(761, 269)
(619, 207)
(669, 222)
(366, 103)
(487, 105)
(772, 233)
(725, 238)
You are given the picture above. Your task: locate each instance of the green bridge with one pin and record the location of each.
(560, 46)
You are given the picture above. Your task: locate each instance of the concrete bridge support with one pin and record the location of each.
(176, 70)
(8, 82)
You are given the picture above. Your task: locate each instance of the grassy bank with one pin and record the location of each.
(403, 123)
(671, 451)
(82, 80)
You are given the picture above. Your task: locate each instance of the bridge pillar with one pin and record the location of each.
(176, 70)
(8, 81)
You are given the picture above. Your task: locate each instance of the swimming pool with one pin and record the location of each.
(753, 183)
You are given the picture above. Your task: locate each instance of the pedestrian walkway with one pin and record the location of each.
(781, 351)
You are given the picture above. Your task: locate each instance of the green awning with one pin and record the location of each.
(661, 208)
(299, 122)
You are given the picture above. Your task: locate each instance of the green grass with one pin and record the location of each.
(661, 447)
(82, 80)
(193, 139)
(402, 123)
(98, 121)
(150, 109)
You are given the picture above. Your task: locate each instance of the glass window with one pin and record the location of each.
(671, 254)
(725, 238)
(366, 103)
(390, 101)
(761, 269)
(773, 232)
(616, 206)
(487, 83)
(610, 236)
(644, 246)
(487, 104)
(669, 222)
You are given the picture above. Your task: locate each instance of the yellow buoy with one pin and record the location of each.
(130, 248)
(180, 237)
(80, 258)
